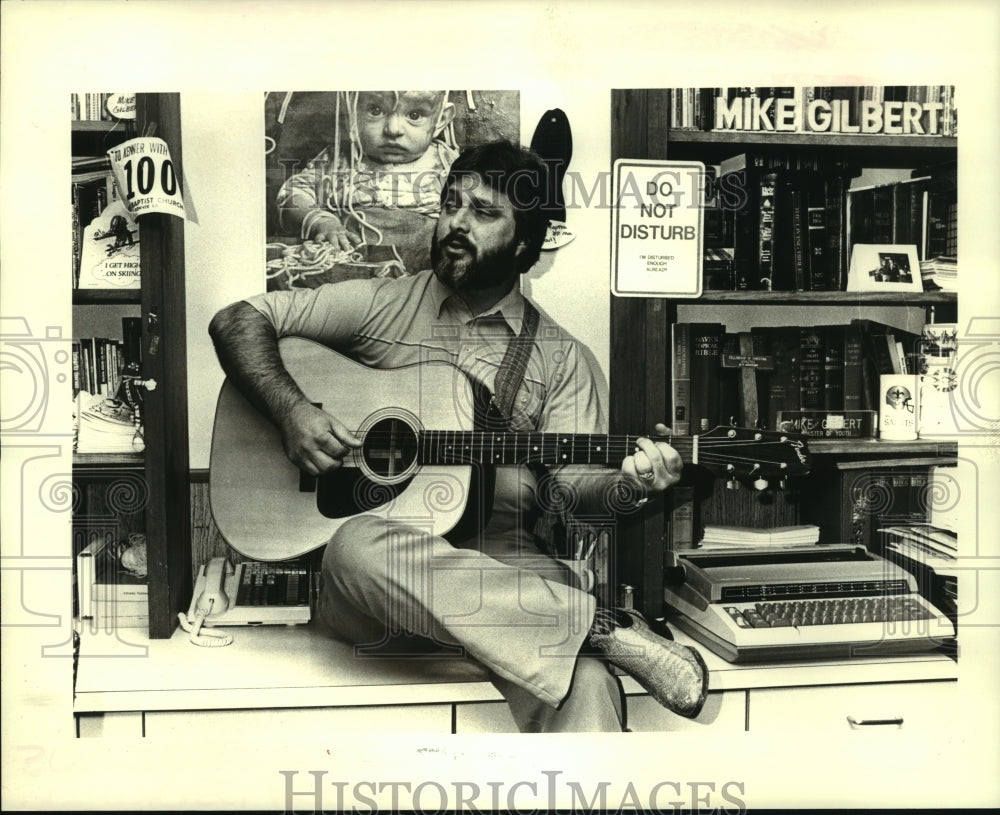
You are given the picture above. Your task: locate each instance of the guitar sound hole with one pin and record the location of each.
(390, 448)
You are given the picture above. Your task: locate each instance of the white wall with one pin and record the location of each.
(572, 284)
(224, 173)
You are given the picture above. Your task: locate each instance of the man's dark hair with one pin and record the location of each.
(520, 175)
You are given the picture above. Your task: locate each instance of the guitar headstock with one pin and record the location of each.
(741, 453)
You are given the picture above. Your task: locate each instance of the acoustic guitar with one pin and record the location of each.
(421, 449)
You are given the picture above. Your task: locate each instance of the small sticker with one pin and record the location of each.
(557, 236)
(122, 105)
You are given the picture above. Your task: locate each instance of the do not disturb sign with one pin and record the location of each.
(146, 177)
(656, 245)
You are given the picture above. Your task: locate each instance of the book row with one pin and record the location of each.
(925, 110)
(788, 377)
(90, 107)
(100, 362)
(783, 223)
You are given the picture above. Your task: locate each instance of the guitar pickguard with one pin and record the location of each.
(347, 491)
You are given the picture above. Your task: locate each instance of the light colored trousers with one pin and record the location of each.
(509, 608)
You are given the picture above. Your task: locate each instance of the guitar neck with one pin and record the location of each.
(465, 447)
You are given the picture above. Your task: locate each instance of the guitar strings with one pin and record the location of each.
(474, 445)
(554, 440)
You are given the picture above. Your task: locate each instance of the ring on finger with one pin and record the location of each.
(647, 476)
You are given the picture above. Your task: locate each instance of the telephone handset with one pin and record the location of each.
(209, 598)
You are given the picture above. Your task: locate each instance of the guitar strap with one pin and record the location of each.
(507, 383)
(494, 412)
(515, 362)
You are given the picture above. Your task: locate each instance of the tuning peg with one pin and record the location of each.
(732, 484)
(761, 484)
(782, 483)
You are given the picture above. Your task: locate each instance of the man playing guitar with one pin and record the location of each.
(486, 590)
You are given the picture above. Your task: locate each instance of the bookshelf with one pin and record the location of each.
(98, 297)
(83, 126)
(120, 493)
(645, 127)
(815, 140)
(925, 299)
(920, 447)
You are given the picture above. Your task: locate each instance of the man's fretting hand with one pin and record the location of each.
(314, 440)
(655, 465)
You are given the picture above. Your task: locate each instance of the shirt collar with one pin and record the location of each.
(510, 307)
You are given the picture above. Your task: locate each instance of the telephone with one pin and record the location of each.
(210, 597)
(252, 593)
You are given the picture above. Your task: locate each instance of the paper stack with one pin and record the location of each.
(931, 554)
(925, 544)
(941, 271)
(725, 537)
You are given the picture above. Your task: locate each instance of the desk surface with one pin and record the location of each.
(301, 666)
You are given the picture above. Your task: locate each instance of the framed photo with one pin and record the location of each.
(884, 267)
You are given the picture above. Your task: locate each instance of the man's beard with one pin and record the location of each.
(473, 270)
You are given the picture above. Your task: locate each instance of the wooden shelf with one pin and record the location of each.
(108, 459)
(877, 447)
(756, 138)
(856, 150)
(98, 126)
(827, 298)
(104, 297)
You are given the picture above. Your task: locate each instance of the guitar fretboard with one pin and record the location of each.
(465, 447)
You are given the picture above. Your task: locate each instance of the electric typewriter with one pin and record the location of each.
(794, 603)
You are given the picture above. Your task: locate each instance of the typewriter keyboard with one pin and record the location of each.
(829, 612)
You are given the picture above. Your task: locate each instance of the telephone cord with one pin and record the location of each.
(206, 638)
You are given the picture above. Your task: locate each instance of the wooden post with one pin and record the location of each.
(639, 376)
(164, 355)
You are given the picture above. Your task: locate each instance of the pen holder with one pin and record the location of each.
(581, 574)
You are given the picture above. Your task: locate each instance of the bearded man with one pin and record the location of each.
(485, 591)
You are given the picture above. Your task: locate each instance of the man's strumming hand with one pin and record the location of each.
(314, 440)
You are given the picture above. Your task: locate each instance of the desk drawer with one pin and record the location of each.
(913, 706)
(723, 712)
(484, 717)
(308, 723)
